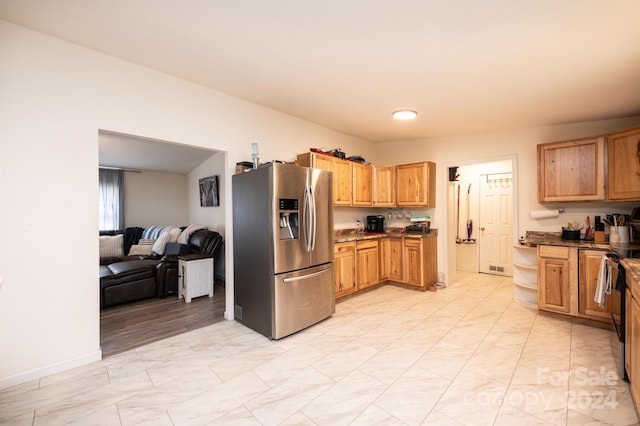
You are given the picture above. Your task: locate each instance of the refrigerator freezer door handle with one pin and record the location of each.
(304, 277)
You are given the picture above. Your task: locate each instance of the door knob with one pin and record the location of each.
(482, 229)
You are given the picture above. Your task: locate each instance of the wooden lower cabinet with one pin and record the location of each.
(395, 259)
(362, 264)
(634, 351)
(589, 268)
(344, 266)
(420, 261)
(367, 263)
(567, 281)
(555, 277)
(627, 332)
(384, 259)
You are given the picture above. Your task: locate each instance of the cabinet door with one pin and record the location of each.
(344, 268)
(323, 162)
(362, 180)
(415, 184)
(341, 170)
(623, 150)
(367, 264)
(553, 285)
(384, 186)
(412, 253)
(571, 171)
(384, 259)
(634, 362)
(429, 260)
(589, 262)
(395, 259)
(342, 182)
(627, 333)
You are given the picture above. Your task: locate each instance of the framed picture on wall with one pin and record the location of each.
(209, 192)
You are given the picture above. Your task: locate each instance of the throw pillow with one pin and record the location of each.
(146, 242)
(186, 234)
(111, 245)
(174, 234)
(161, 242)
(140, 250)
(153, 232)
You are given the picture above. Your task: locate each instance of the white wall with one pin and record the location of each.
(155, 198)
(213, 217)
(55, 98)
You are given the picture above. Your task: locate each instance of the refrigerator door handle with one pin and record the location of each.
(304, 277)
(306, 205)
(313, 219)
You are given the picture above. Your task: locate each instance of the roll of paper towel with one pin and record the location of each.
(545, 214)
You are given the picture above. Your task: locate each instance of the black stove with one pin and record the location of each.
(626, 252)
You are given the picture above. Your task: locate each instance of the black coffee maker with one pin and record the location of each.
(375, 223)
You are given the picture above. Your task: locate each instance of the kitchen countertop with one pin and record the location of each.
(346, 235)
(632, 269)
(534, 238)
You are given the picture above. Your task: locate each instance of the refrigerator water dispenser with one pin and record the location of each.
(288, 219)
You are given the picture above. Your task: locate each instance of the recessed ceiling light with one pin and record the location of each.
(405, 114)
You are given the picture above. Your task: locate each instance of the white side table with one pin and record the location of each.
(195, 276)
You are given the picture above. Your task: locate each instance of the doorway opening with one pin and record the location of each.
(481, 217)
(161, 188)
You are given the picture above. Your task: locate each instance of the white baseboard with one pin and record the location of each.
(48, 370)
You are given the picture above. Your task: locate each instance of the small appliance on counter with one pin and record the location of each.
(419, 225)
(418, 228)
(375, 223)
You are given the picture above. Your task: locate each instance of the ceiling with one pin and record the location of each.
(464, 66)
(136, 153)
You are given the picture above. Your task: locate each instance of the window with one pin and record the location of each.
(111, 199)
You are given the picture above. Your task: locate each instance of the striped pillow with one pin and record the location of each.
(152, 232)
(111, 245)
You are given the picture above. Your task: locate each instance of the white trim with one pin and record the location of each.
(48, 370)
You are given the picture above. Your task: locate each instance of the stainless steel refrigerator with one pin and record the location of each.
(283, 248)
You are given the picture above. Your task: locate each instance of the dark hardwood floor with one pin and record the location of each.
(135, 324)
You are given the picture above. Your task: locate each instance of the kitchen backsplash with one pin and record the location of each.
(345, 217)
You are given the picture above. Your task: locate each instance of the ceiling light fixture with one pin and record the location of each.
(405, 114)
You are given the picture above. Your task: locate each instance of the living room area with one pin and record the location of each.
(161, 204)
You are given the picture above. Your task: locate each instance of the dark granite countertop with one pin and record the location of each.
(346, 235)
(534, 238)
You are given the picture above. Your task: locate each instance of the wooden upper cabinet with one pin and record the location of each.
(384, 186)
(362, 180)
(341, 170)
(416, 184)
(571, 171)
(623, 150)
(342, 184)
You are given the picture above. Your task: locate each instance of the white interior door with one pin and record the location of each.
(496, 217)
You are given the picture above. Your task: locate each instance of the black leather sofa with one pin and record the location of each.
(130, 278)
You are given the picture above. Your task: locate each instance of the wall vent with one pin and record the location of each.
(496, 268)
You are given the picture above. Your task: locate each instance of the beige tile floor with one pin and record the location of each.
(465, 355)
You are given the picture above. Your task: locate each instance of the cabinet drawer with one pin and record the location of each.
(557, 252)
(367, 244)
(344, 249)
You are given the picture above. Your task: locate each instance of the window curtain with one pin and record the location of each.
(111, 193)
